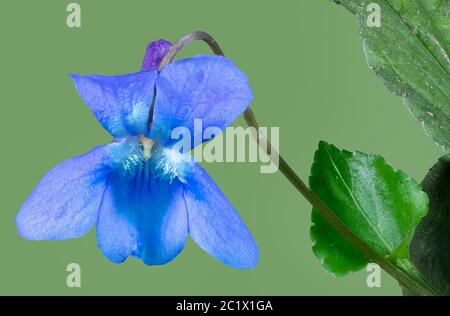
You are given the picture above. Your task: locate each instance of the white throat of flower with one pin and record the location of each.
(147, 145)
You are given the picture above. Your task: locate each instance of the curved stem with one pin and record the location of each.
(401, 275)
(186, 40)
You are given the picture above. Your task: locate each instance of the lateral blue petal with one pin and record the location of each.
(215, 225)
(142, 214)
(209, 88)
(66, 201)
(120, 103)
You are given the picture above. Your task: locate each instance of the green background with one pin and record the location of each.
(309, 76)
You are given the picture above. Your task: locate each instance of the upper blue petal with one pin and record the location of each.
(65, 203)
(120, 103)
(209, 88)
(215, 225)
(143, 214)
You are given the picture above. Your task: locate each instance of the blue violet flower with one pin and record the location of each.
(143, 199)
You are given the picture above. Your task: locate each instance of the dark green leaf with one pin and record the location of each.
(430, 247)
(379, 204)
(410, 53)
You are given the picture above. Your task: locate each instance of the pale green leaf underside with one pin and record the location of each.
(410, 53)
(379, 204)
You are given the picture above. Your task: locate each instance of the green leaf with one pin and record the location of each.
(377, 203)
(430, 247)
(410, 53)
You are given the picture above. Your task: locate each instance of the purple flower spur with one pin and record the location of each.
(143, 199)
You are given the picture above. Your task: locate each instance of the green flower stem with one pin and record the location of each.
(408, 276)
(404, 277)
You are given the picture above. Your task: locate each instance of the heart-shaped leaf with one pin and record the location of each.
(407, 44)
(377, 203)
(430, 247)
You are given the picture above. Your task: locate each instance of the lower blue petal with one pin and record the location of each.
(215, 225)
(117, 234)
(142, 214)
(66, 201)
(165, 224)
